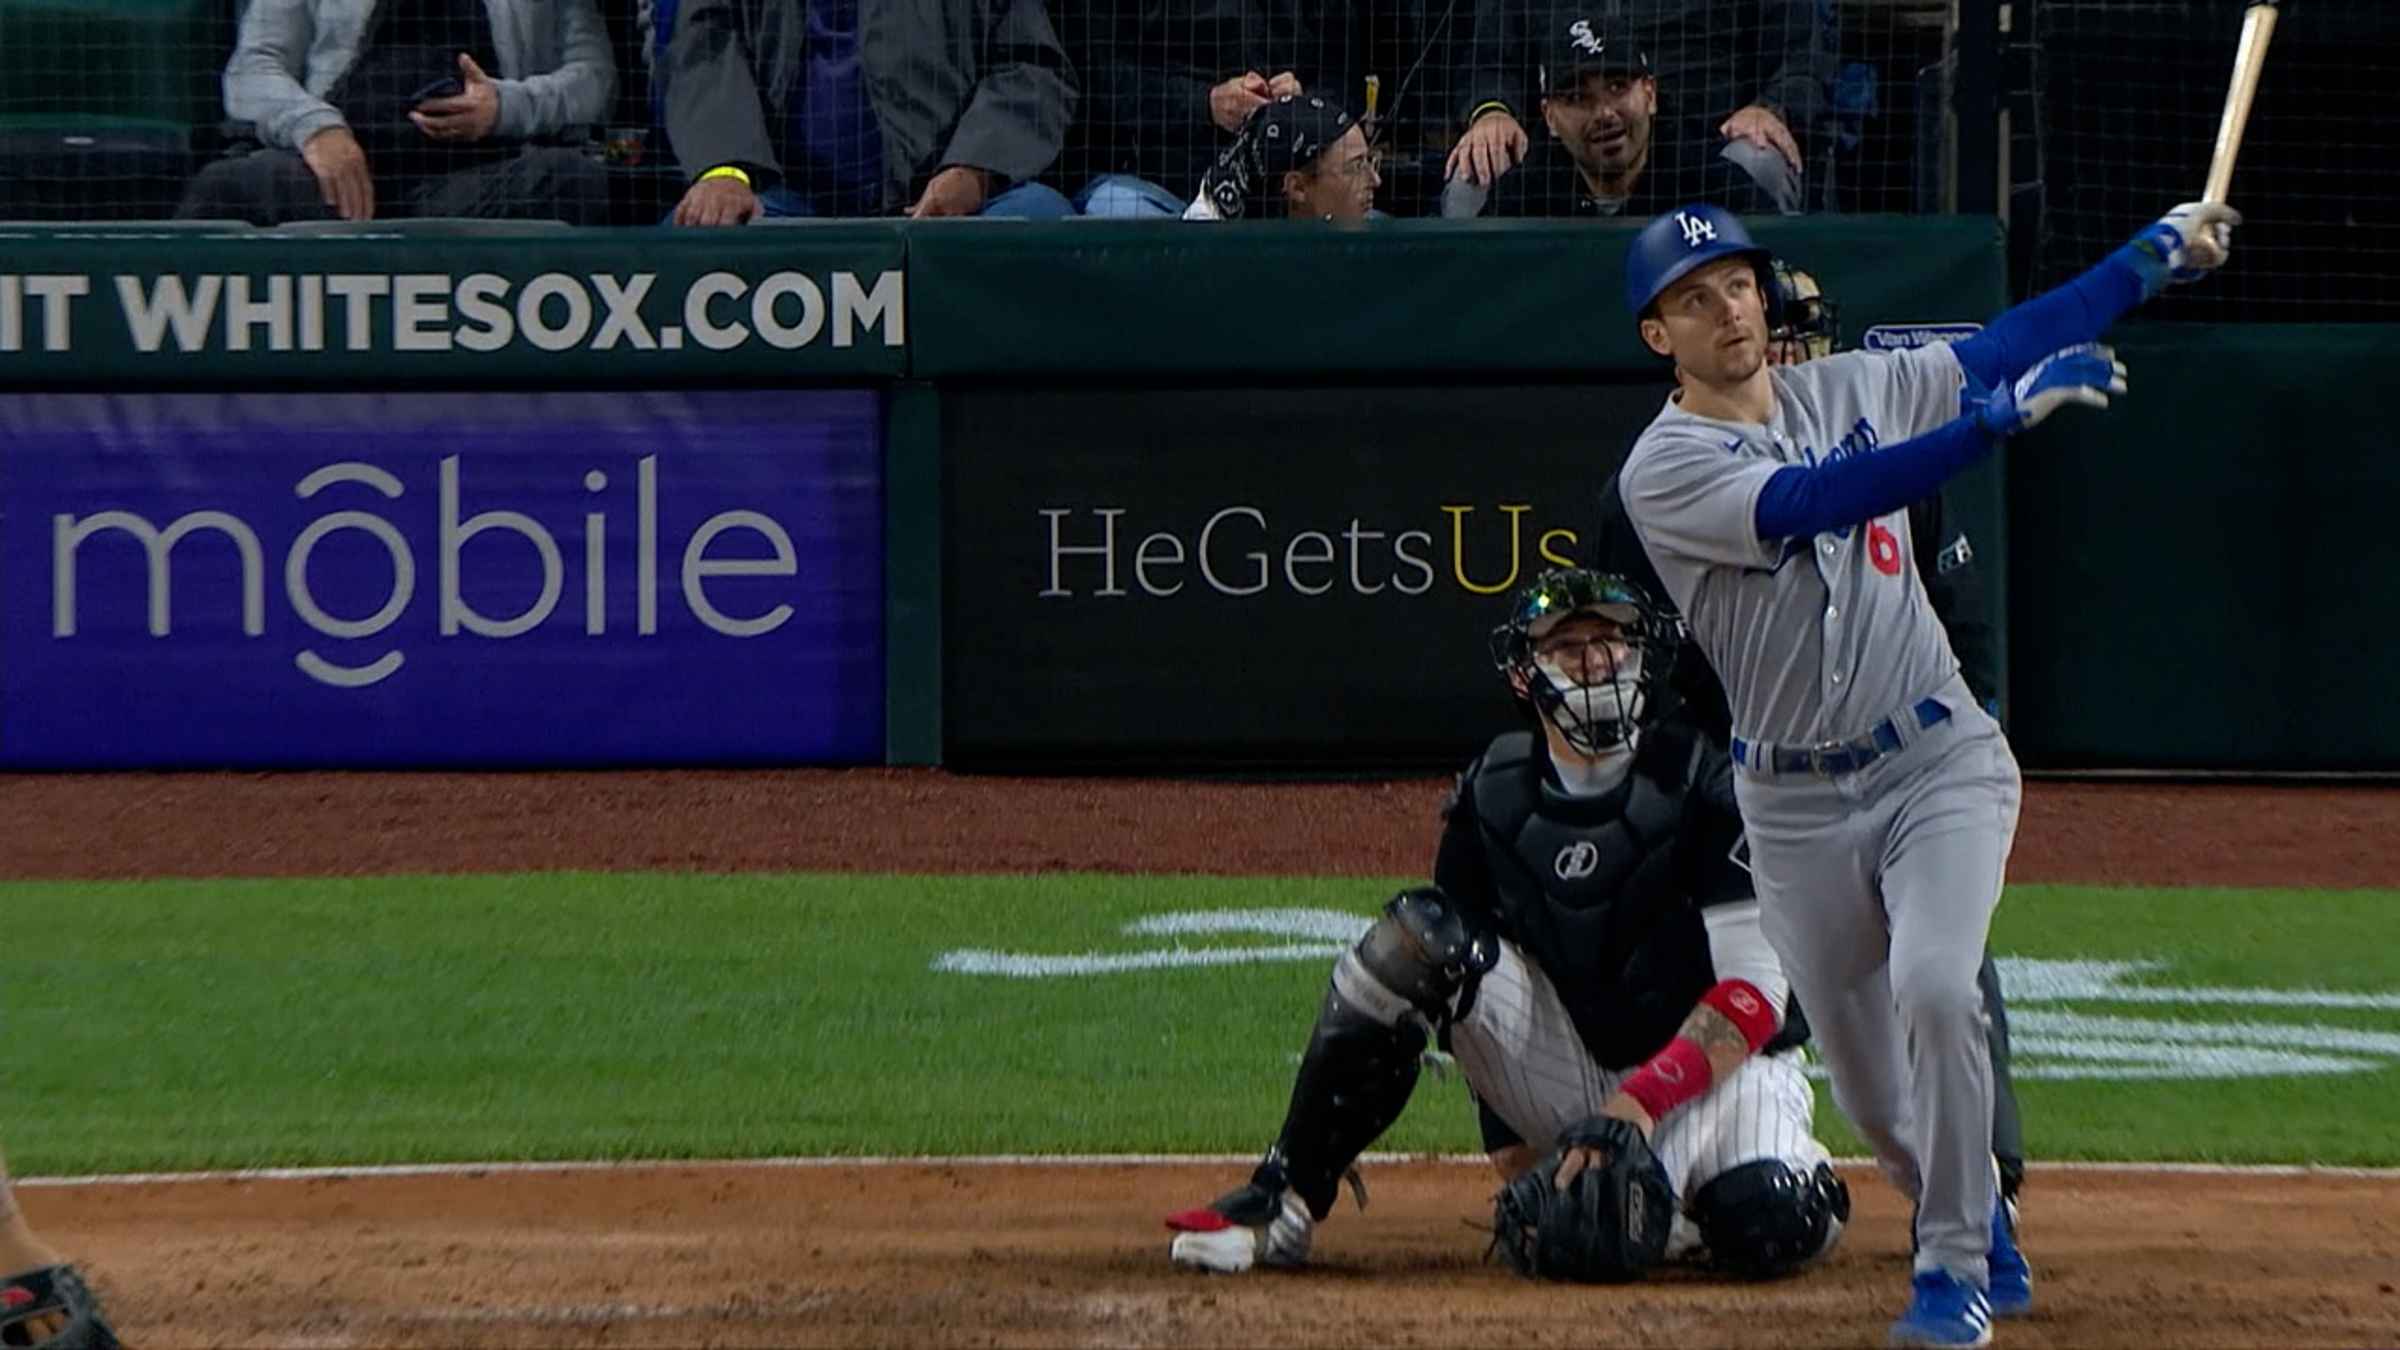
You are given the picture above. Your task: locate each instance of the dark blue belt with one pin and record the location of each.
(1840, 757)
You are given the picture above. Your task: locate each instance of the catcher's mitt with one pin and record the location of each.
(1610, 1223)
(52, 1309)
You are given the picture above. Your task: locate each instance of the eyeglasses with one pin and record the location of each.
(1360, 166)
(1614, 648)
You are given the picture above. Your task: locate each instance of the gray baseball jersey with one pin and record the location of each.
(1816, 639)
(1876, 885)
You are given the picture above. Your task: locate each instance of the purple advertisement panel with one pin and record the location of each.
(465, 579)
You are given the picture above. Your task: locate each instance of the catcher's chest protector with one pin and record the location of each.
(1597, 893)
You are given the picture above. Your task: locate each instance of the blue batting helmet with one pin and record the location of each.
(1683, 239)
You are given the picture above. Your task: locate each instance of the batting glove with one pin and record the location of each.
(2084, 373)
(2186, 244)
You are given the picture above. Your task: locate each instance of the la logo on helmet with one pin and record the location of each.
(1696, 230)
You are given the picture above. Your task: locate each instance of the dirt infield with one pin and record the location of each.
(1059, 1256)
(953, 1255)
(905, 820)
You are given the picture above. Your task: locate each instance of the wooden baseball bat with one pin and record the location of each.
(2258, 29)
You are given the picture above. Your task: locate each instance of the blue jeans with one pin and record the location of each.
(1121, 196)
(1025, 201)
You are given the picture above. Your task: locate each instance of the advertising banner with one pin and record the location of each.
(451, 579)
(1256, 576)
(1267, 577)
(150, 310)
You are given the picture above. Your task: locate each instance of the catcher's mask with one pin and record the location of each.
(1805, 325)
(1595, 681)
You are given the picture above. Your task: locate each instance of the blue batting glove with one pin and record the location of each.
(2084, 373)
(2186, 244)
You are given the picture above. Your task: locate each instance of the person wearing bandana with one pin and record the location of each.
(1167, 84)
(1301, 157)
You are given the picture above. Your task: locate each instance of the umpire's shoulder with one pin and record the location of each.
(1712, 779)
(1700, 763)
(1617, 547)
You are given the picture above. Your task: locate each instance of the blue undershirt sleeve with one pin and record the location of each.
(1803, 500)
(2079, 311)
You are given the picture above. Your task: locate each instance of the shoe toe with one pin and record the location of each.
(1226, 1251)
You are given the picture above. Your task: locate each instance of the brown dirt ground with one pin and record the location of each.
(911, 820)
(950, 1255)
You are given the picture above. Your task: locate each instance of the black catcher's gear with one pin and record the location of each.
(1606, 894)
(1414, 971)
(38, 1297)
(1762, 1219)
(1602, 712)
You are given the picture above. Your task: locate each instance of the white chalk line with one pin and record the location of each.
(602, 1314)
(475, 1169)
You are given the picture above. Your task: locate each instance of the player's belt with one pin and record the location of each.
(1839, 757)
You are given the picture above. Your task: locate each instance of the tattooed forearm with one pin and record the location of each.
(1718, 1038)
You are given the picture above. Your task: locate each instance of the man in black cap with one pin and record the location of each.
(1744, 78)
(1603, 156)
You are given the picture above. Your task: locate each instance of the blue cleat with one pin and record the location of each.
(2012, 1280)
(1944, 1310)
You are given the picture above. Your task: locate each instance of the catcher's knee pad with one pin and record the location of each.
(52, 1294)
(1422, 955)
(1765, 1218)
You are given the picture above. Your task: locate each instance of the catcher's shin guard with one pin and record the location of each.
(52, 1309)
(1417, 966)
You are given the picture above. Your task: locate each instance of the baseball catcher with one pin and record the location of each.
(1590, 953)
(52, 1309)
(44, 1305)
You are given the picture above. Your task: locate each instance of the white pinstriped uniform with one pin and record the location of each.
(1519, 1051)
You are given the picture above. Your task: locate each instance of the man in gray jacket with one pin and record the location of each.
(371, 109)
(844, 108)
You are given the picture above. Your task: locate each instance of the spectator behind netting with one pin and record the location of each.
(849, 108)
(1600, 155)
(1167, 84)
(363, 110)
(1748, 73)
(1297, 157)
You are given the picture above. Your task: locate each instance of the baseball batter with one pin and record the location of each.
(1592, 956)
(45, 1303)
(1808, 327)
(1879, 801)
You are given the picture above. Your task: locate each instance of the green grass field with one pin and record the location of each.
(190, 1024)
